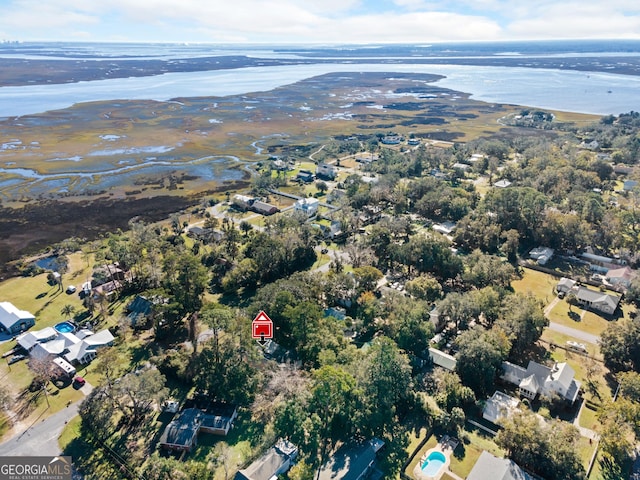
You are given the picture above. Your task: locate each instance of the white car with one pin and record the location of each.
(576, 346)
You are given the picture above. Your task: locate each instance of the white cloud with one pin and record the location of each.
(327, 21)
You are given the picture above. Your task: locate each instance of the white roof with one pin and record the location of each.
(10, 315)
(54, 347)
(64, 365)
(69, 338)
(310, 201)
(499, 406)
(29, 339)
(89, 344)
(103, 337)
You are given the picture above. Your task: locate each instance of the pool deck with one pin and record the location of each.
(446, 445)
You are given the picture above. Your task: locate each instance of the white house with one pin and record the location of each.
(13, 320)
(308, 206)
(541, 254)
(86, 349)
(540, 379)
(78, 347)
(502, 184)
(499, 406)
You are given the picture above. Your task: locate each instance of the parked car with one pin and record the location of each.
(576, 346)
(71, 289)
(16, 358)
(79, 382)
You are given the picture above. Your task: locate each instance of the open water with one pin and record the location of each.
(567, 90)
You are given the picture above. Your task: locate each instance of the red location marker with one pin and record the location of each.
(262, 327)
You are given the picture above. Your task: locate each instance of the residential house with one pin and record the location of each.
(307, 205)
(139, 309)
(86, 349)
(328, 172)
(351, 462)
(445, 228)
(461, 166)
(391, 140)
(541, 254)
(441, 359)
(14, 320)
(491, 467)
(565, 285)
(275, 462)
(500, 406)
(243, 202)
(540, 379)
(28, 340)
(182, 432)
(596, 300)
(264, 208)
(218, 418)
(305, 176)
(620, 278)
(502, 183)
(601, 263)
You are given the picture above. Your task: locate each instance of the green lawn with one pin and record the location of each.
(432, 442)
(561, 339)
(473, 442)
(537, 283)
(589, 322)
(588, 417)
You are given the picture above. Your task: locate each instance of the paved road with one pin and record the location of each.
(41, 438)
(575, 333)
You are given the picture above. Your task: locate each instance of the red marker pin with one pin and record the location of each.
(262, 328)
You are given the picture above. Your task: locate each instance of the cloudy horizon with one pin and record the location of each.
(327, 22)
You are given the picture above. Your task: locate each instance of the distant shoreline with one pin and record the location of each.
(17, 72)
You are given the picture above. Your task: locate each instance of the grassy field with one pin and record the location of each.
(538, 284)
(588, 322)
(558, 338)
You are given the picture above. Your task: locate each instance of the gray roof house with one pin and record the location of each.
(565, 285)
(540, 379)
(13, 320)
(351, 462)
(489, 467)
(275, 462)
(182, 431)
(596, 300)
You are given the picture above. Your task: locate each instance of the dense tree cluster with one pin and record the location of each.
(560, 196)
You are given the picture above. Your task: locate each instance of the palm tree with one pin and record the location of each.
(68, 311)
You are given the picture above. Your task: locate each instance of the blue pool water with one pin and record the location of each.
(64, 327)
(433, 463)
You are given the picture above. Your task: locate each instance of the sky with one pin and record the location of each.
(317, 21)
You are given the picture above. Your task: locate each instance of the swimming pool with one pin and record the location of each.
(433, 463)
(65, 327)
